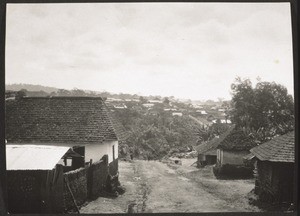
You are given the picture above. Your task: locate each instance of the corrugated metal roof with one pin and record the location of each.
(33, 157)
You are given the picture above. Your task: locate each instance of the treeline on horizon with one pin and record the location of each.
(44, 91)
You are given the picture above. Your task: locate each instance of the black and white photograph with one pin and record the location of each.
(149, 108)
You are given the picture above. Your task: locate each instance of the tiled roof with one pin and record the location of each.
(121, 132)
(237, 140)
(58, 120)
(249, 156)
(279, 149)
(204, 148)
(212, 152)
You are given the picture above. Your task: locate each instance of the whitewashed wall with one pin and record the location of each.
(233, 157)
(97, 151)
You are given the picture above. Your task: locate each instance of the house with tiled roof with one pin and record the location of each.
(82, 123)
(230, 152)
(60, 152)
(207, 151)
(275, 169)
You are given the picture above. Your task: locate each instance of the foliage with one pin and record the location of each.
(21, 93)
(157, 133)
(263, 111)
(208, 133)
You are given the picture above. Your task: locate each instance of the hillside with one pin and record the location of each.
(30, 87)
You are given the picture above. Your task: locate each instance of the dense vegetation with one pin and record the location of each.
(264, 111)
(156, 133)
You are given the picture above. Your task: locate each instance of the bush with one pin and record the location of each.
(229, 171)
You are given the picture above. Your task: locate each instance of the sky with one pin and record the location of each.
(187, 50)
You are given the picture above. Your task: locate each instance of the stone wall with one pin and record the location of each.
(97, 175)
(77, 182)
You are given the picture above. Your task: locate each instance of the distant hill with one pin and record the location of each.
(30, 87)
(39, 90)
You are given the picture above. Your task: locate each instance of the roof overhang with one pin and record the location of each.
(34, 157)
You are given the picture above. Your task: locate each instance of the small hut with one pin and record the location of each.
(35, 180)
(275, 169)
(207, 151)
(230, 153)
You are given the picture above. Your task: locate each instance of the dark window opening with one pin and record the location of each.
(113, 149)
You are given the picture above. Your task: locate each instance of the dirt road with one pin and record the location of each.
(153, 186)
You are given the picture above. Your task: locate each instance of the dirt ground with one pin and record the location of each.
(153, 186)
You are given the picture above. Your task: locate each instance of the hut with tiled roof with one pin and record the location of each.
(275, 169)
(230, 152)
(207, 152)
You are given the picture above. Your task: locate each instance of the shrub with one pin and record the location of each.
(229, 171)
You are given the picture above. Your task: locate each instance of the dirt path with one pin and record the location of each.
(152, 186)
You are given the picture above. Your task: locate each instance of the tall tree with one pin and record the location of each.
(265, 110)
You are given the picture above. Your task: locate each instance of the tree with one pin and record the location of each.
(220, 99)
(166, 101)
(142, 99)
(243, 103)
(22, 93)
(77, 92)
(264, 111)
(63, 92)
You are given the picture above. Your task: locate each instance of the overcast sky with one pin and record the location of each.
(187, 50)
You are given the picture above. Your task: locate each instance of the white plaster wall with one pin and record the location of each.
(97, 151)
(234, 158)
(202, 157)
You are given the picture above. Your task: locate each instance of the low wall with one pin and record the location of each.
(85, 183)
(113, 167)
(77, 182)
(97, 175)
(229, 171)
